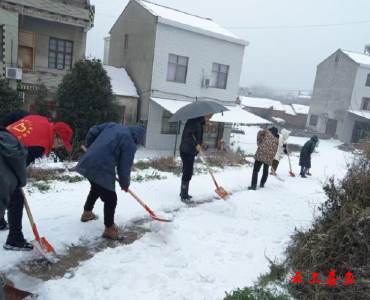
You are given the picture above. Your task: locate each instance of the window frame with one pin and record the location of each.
(168, 128)
(217, 73)
(177, 65)
(365, 104)
(367, 83)
(56, 52)
(2, 41)
(125, 46)
(315, 121)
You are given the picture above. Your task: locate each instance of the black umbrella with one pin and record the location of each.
(197, 109)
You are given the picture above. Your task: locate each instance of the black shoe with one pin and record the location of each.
(18, 247)
(262, 185)
(4, 226)
(187, 200)
(253, 188)
(188, 196)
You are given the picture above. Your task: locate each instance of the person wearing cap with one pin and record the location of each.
(40, 137)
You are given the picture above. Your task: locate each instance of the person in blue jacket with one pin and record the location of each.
(110, 146)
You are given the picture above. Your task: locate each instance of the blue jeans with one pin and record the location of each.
(303, 170)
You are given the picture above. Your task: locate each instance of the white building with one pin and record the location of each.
(176, 56)
(340, 104)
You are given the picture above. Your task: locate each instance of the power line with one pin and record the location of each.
(258, 27)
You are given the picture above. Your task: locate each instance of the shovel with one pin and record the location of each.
(219, 189)
(273, 172)
(290, 165)
(151, 213)
(41, 244)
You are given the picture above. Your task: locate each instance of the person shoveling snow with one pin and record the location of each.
(109, 145)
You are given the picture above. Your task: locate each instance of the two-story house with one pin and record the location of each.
(40, 40)
(340, 104)
(174, 58)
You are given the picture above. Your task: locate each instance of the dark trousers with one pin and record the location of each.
(2, 222)
(256, 168)
(303, 170)
(108, 197)
(15, 214)
(187, 166)
(275, 164)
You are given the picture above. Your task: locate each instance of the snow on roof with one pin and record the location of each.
(278, 120)
(362, 113)
(360, 58)
(174, 17)
(289, 110)
(235, 115)
(122, 84)
(262, 103)
(301, 109)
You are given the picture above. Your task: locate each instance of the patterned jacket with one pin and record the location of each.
(267, 147)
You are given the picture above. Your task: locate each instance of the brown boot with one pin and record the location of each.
(112, 233)
(88, 216)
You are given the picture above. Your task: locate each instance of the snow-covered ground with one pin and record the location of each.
(205, 251)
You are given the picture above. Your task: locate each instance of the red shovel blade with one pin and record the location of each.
(292, 174)
(45, 249)
(221, 192)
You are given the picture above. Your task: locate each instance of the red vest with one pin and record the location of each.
(34, 131)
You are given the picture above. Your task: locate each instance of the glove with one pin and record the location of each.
(285, 151)
(125, 189)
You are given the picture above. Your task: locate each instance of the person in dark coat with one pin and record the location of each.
(6, 120)
(305, 157)
(40, 137)
(191, 141)
(110, 146)
(267, 142)
(13, 157)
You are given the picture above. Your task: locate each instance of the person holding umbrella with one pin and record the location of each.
(192, 139)
(197, 114)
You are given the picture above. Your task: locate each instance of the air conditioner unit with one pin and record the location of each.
(206, 82)
(13, 73)
(21, 95)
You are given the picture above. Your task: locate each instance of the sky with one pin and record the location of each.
(284, 59)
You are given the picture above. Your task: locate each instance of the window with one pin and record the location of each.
(365, 105)
(60, 54)
(336, 60)
(313, 120)
(1, 43)
(177, 68)
(168, 128)
(368, 80)
(126, 42)
(26, 49)
(219, 75)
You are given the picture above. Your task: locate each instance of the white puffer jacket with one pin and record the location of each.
(284, 135)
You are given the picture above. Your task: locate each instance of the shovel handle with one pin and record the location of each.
(30, 217)
(208, 167)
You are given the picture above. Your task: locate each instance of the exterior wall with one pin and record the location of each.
(346, 137)
(332, 92)
(106, 50)
(10, 22)
(298, 120)
(202, 52)
(265, 113)
(360, 90)
(154, 139)
(138, 59)
(44, 30)
(130, 105)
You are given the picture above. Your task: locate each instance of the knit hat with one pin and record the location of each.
(65, 132)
